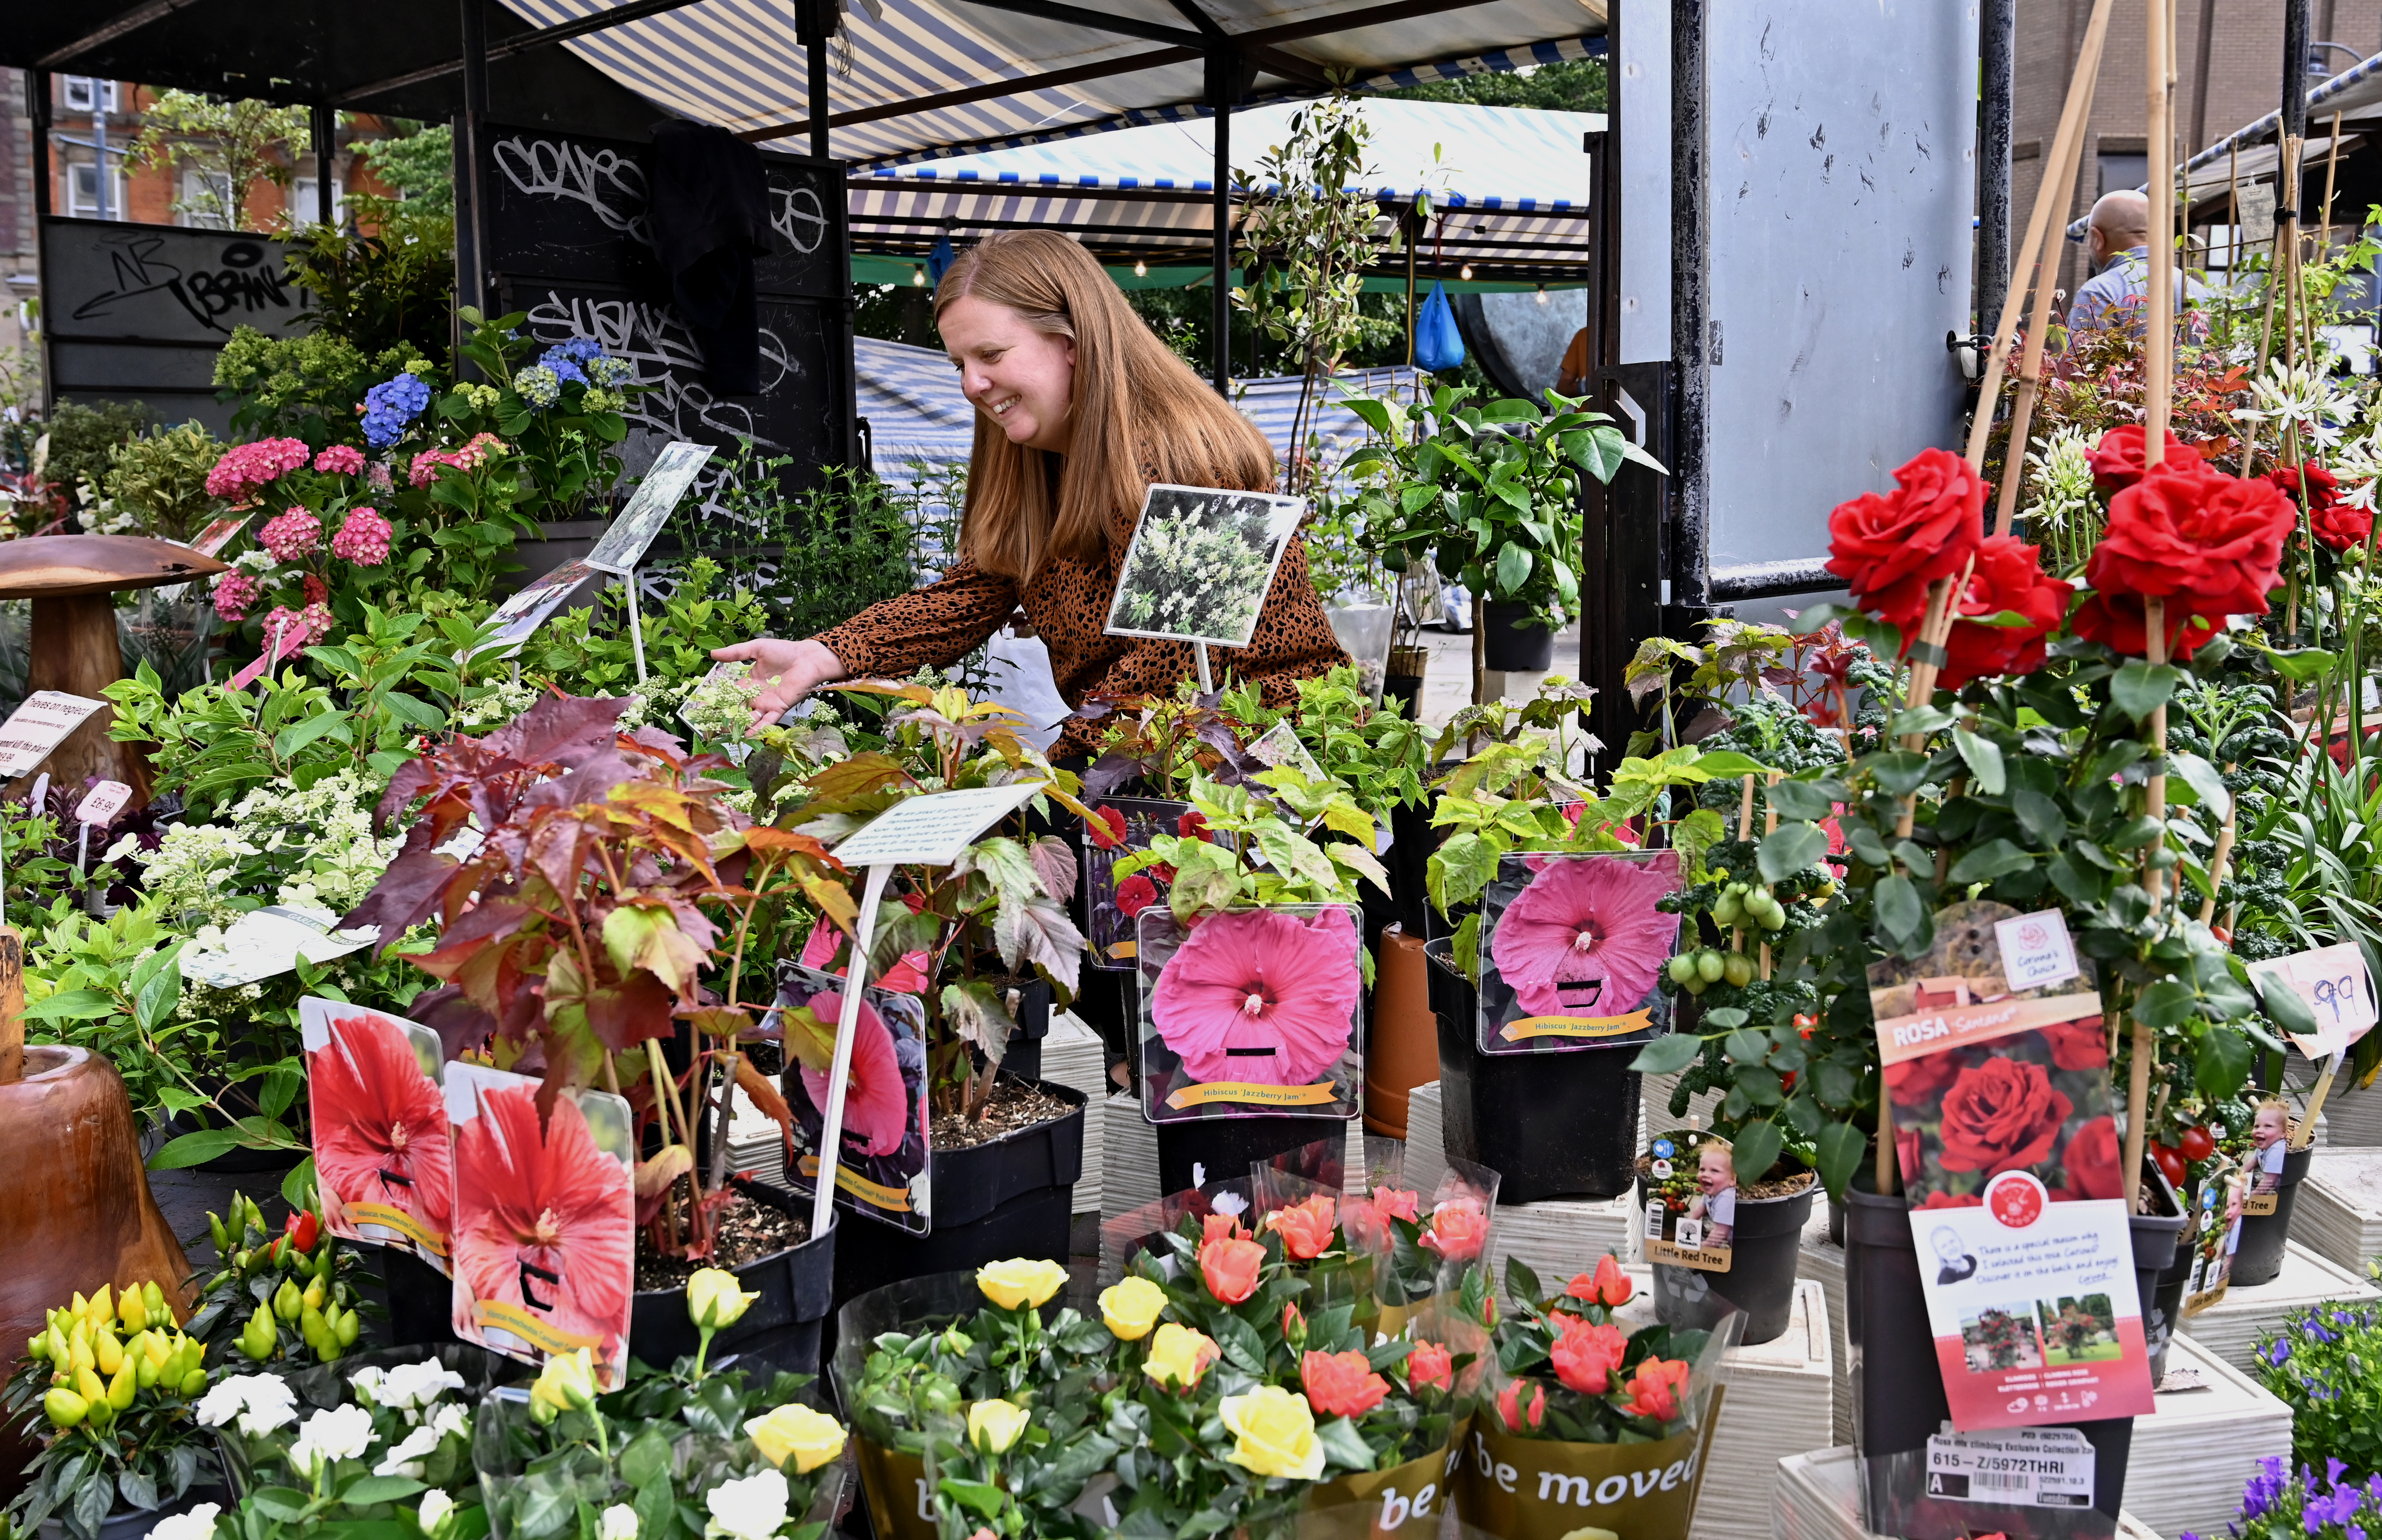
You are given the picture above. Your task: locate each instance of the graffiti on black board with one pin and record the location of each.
(251, 283)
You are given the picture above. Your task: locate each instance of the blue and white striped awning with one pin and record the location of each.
(1511, 184)
(737, 63)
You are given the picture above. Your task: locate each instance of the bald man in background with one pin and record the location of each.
(2120, 244)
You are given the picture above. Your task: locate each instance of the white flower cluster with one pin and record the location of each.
(315, 848)
(504, 701)
(257, 560)
(720, 705)
(2062, 479)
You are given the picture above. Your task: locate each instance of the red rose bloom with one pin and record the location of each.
(1609, 1285)
(1657, 1389)
(1430, 1367)
(1890, 549)
(2117, 460)
(2092, 1161)
(1457, 1230)
(2008, 578)
(1587, 1356)
(1342, 1385)
(1910, 1154)
(2339, 525)
(1230, 1268)
(1395, 1202)
(2001, 1115)
(1219, 1226)
(2078, 1045)
(1917, 1080)
(2211, 546)
(1523, 1405)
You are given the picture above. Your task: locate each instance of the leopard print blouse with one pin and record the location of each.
(1068, 603)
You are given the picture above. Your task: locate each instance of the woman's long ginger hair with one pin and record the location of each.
(1140, 413)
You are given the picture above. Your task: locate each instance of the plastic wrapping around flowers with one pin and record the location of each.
(1572, 948)
(1251, 1011)
(884, 1160)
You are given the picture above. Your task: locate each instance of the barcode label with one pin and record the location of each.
(2000, 1483)
(2030, 1467)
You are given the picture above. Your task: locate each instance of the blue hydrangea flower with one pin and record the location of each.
(568, 360)
(608, 371)
(388, 407)
(539, 385)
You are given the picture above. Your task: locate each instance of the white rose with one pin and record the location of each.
(452, 1417)
(341, 1433)
(367, 1383)
(261, 1402)
(752, 1508)
(197, 1525)
(619, 1523)
(405, 1459)
(412, 1385)
(435, 1506)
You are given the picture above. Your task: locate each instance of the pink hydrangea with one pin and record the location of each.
(378, 478)
(470, 457)
(340, 460)
(234, 592)
(362, 538)
(295, 629)
(291, 535)
(246, 467)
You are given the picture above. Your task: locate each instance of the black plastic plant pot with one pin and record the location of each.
(1198, 1151)
(1898, 1387)
(132, 1523)
(1010, 1196)
(1024, 1056)
(1509, 646)
(781, 1328)
(1763, 1257)
(1552, 1125)
(2260, 1257)
(420, 1301)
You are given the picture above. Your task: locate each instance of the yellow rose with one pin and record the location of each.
(1018, 1282)
(1179, 1357)
(1276, 1434)
(1590, 1533)
(566, 1384)
(811, 1437)
(713, 1300)
(993, 1426)
(1131, 1308)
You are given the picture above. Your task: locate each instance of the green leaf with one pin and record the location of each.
(2205, 783)
(380, 1489)
(2045, 826)
(1668, 1054)
(2290, 1011)
(1521, 1282)
(1898, 908)
(1728, 762)
(980, 1496)
(1806, 799)
(297, 1187)
(72, 1005)
(1985, 758)
(1841, 1147)
(2222, 1066)
(1995, 858)
(1343, 1445)
(2165, 1004)
(192, 1149)
(2141, 687)
(1919, 719)
(279, 1502)
(1789, 849)
(1756, 1149)
(289, 740)
(1514, 565)
(2300, 665)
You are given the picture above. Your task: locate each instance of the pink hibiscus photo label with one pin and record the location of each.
(882, 1171)
(1572, 949)
(1250, 1010)
(382, 1157)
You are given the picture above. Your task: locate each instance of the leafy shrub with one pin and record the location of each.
(160, 478)
(2325, 1364)
(82, 437)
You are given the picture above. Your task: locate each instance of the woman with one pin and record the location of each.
(1080, 408)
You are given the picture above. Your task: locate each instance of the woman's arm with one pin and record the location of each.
(933, 626)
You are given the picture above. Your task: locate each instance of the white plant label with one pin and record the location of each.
(2332, 981)
(932, 830)
(623, 543)
(40, 725)
(106, 799)
(2036, 950)
(2028, 1467)
(269, 942)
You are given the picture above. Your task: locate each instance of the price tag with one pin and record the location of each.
(2332, 981)
(2035, 950)
(2028, 1467)
(106, 799)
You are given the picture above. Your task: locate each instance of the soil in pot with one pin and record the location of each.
(1764, 1252)
(2260, 1257)
(1510, 647)
(1554, 1125)
(764, 1237)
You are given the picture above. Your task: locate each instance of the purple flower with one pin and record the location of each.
(2280, 1350)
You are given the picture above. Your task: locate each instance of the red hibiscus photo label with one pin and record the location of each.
(382, 1155)
(544, 1248)
(1572, 948)
(1987, 1080)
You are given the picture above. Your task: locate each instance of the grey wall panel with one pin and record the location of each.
(1645, 91)
(1843, 170)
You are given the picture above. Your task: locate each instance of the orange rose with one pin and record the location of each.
(1342, 1385)
(1657, 1389)
(1430, 1367)
(1609, 1285)
(1231, 1267)
(1459, 1228)
(1587, 1356)
(1305, 1229)
(1219, 1226)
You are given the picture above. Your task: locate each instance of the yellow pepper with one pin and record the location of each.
(106, 1351)
(102, 1305)
(132, 1310)
(90, 1387)
(65, 1408)
(152, 1299)
(121, 1390)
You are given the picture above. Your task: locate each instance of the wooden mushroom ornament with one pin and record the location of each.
(74, 650)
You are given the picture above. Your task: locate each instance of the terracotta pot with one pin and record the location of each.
(1403, 1052)
(76, 1208)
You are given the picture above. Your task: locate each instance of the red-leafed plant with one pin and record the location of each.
(573, 872)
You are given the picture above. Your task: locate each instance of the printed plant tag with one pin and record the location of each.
(1251, 1010)
(932, 830)
(44, 721)
(882, 1170)
(1572, 950)
(1201, 563)
(544, 1247)
(1127, 824)
(2025, 1467)
(2036, 951)
(625, 539)
(1278, 745)
(382, 1158)
(2261, 1161)
(1690, 1202)
(2223, 1201)
(105, 801)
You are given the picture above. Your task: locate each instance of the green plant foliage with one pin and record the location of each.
(589, 652)
(2321, 1363)
(302, 386)
(160, 478)
(82, 438)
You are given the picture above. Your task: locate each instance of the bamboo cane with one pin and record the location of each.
(2159, 343)
(2331, 166)
(2138, 1079)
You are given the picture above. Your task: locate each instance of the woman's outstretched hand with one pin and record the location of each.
(792, 670)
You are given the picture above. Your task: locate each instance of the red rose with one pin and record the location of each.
(2117, 620)
(1915, 1082)
(1457, 1230)
(2339, 525)
(1887, 548)
(2001, 1115)
(1430, 1367)
(1523, 1405)
(2008, 578)
(1953, 1200)
(1134, 894)
(2212, 544)
(1395, 1202)
(1342, 1385)
(1608, 1286)
(1219, 1226)
(1657, 1389)
(1587, 1356)
(2118, 460)
(1910, 1154)
(2078, 1045)
(2092, 1161)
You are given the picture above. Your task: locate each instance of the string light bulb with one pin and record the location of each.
(1467, 274)
(1141, 270)
(1542, 294)
(917, 278)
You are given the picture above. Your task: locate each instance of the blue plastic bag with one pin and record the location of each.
(1438, 345)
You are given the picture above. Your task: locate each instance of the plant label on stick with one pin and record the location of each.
(211, 540)
(625, 540)
(39, 726)
(518, 619)
(2333, 983)
(268, 942)
(543, 1244)
(1200, 564)
(2224, 1197)
(932, 830)
(881, 1169)
(104, 803)
(383, 1158)
(1691, 1201)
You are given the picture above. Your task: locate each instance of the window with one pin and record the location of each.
(302, 201)
(82, 192)
(2119, 173)
(205, 201)
(82, 92)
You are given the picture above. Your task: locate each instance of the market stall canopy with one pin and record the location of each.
(1509, 186)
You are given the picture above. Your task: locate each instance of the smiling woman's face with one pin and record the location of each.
(1023, 379)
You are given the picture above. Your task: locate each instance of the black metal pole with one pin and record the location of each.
(1222, 68)
(37, 108)
(2295, 71)
(471, 214)
(327, 157)
(1996, 48)
(816, 32)
(1690, 300)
